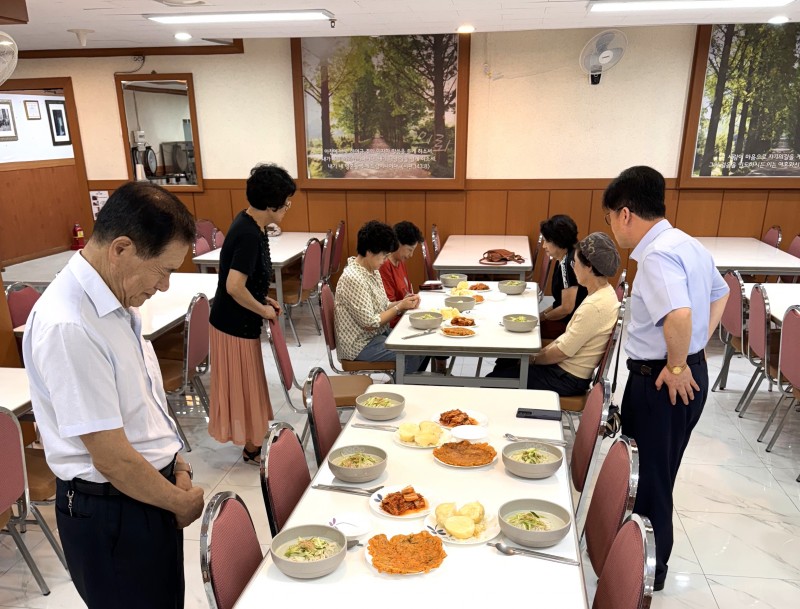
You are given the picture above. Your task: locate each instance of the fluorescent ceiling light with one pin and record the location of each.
(183, 36)
(681, 5)
(780, 19)
(251, 17)
(465, 29)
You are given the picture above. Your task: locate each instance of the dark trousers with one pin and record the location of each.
(662, 433)
(552, 328)
(548, 378)
(121, 553)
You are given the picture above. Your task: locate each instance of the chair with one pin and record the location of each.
(20, 483)
(612, 500)
(284, 474)
(544, 274)
(323, 417)
(629, 585)
(733, 325)
(773, 236)
(588, 437)
(205, 229)
(622, 286)
(537, 250)
(297, 291)
(345, 388)
(794, 250)
(338, 248)
(788, 370)
(326, 308)
(761, 347)
(227, 529)
(435, 242)
(217, 239)
(427, 259)
(21, 297)
(200, 246)
(178, 375)
(327, 256)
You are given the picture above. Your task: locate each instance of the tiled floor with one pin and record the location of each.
(737, 519)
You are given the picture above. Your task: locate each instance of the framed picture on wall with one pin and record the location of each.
(32, 111)
(381, 111)
(59, 129)
(743, 119)
(8, 128)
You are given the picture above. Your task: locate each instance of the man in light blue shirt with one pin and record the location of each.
(677, 300)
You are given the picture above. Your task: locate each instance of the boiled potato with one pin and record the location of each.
(430, 427)
(444, 511)
(474, 511)
(407, 431)
(426, 439)
(460, 527)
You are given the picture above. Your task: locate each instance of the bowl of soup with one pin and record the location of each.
(308, 551)
(532, 459)
(357, 463)
(534, 523)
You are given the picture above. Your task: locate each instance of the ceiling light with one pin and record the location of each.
(680, 5)
(465, 29)
(780, 19)
(183, 36)
(251, 17)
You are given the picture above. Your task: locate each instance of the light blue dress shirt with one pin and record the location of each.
(674, 272)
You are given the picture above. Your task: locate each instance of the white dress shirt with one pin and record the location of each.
(90, 370)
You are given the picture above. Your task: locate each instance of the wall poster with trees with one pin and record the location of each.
(749, 119)
(380, 107)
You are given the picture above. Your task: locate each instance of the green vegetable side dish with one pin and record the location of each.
(452, 276)
(378, 402)
(530, 521)
(311, 549)
(357, 460)
(426, 316)
(533, 455)
(519, 318)
(512, 283)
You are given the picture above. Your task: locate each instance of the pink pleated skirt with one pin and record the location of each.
(240, 408)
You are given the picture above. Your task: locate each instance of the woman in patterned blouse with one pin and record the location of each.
(363, 311)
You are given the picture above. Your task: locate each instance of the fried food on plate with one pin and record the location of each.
(465, 454)
(455, 417)
(458, 331)
(416, 553)
(403, 502)
(462, 321)
(479, 286)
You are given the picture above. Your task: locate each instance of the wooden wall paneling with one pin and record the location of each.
(238, 201)
(742, 213)
(783, 209)
(325, 210)
(409, 206)
(525, 210)
(214, 205)
(577, 204)
(597, 224)
(296, 219)
(188, 200)
(361, 208)
(699, 211)
(671, 202)
(486, 212)
(9, 356)
(447, 210)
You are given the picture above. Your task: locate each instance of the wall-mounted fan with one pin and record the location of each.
(8, 56)
(602, 53)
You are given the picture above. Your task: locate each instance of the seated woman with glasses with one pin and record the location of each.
(362, 309)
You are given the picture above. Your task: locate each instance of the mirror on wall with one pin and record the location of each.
(159, 122)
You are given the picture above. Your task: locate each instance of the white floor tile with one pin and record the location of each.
(753, 592)
(684, 591)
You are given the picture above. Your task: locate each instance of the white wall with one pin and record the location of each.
(159, 115)
(34, 142)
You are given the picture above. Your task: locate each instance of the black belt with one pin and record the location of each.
(106, 489)
(652, 367)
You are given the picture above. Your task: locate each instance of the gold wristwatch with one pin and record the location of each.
(677, 369)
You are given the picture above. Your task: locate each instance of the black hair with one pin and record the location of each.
(640, 189)
(147, 214)
(269, 186)
(560, 230)
(585, 262)
(376, 237)
(407, 233)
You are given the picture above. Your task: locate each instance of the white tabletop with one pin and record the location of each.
(748, 255)
(38, 272)
(461, 253)
(15, 393)
(283, 249)
(471, 575)
(164, 310)
(781, 297)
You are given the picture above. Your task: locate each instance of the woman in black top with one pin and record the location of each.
(560, 235)
(240, 406)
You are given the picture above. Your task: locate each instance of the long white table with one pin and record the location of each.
(748, 255)
(490, 340)
(781, 296)
(471, 575)
(39, 272)
(461, 254)
(15, 393)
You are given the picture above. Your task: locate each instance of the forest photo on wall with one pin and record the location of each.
(380, 107)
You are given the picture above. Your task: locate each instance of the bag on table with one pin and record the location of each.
(500, 257)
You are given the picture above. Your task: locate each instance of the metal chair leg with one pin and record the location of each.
(23, 549)
(201, 392)
(749, 399)
(39, 519)
(291, 323)
(779, 430)
(180, 429)
(722, 379)
(570, 422)
(478, 369)
(314, 315)
(772, 418)
(756, 374)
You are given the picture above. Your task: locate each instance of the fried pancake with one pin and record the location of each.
(465, 454)
(458, 331)
(416, 553)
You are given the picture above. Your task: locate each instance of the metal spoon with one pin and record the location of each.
(513, 438)
(351, 490)
(511, 550)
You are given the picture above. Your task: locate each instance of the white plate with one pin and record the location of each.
(351, 524)
(368, 558)
(481, 291)
(441, 331)
(376, 498)
(491, 531)
(481, 418)
(435, 458)
(445, 437)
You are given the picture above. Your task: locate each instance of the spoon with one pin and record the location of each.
(511, 550)
(352, 543)
(513, 438)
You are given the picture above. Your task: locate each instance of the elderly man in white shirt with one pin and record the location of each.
(123, 493)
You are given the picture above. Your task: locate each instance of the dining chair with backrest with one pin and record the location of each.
(346, 388)
(217, 239)
(435, 241)
(326, 307)
(229, 549)
(544, 274)
(21, 483)
(284, 474)
(200, 246)
(323, 417)
(205, 228)
(788, 373)
(622, 286)
(773, 236)
(300, 290)
(327, 255)
(21, 297)
(762, 346)
(733, 325)
(588, 438)
(338, 247)
(427, 259)
(629, 585)
(794, 250)
(612, 500)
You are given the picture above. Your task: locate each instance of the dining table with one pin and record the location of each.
(461, 254)
(748, 255)
(490, 338)
(15, 392)
(38, 272)
(781, 296)
(472, 575)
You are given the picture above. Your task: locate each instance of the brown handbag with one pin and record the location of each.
(500, 257)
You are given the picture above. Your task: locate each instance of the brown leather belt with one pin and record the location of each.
(653, 367)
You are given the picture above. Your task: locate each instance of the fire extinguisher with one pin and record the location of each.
(78, 240)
